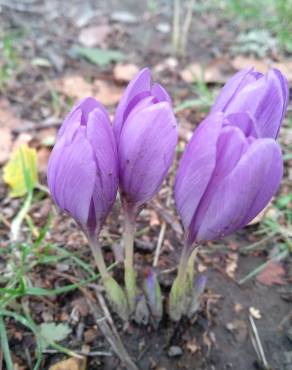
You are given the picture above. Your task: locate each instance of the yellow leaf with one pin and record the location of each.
(70, 364)
(20, 173)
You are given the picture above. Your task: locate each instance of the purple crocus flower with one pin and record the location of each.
(82, 171)
(263, 97)
(232, 165)
(146, 133)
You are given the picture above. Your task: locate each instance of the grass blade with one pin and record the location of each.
(5, 346)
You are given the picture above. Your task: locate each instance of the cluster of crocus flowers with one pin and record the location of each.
(231, 167)
(229, 171)
(92, 159)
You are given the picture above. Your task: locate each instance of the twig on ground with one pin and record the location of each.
(186, 27)
(159, 243)
(284, 320)
(29, 126)
(81, 353)
(163, 226)
(31, 7)
(1, 359)
(257, 343)
(106, 325)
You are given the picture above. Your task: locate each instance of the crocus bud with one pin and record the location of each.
(263, 97)
(146, 133)
(82, 171)
(153, 295)
(226, 176)
(196, 295)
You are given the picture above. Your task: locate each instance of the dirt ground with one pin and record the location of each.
(48, 78)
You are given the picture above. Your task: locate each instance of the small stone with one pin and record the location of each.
(289, 334)
(163, 27)
(174, 351)
(90, 335)
(237, 307)
(255, 313)
(124, 17)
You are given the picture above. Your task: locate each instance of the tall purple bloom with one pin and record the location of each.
(232, 165)
(146, 133)
(263, 97)
(230, 169)
(82, 171)
(83, 180)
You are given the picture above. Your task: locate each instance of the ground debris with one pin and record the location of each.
(70, 364)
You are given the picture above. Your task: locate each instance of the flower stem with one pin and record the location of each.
(190, 268)
(182, 267)
(130, 274)
(129, 227)
(114, 292)
(98, 256)
(177, 298)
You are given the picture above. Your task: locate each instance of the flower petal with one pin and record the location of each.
(244, 121)
(285, 92)
(265, 101)
(82, 109)
(196, 167)
(244, 192)
(160, 93)
(71, 176)
(100, 135)
(146, 150)
(234, 85)
(231, 145)
(138, 86)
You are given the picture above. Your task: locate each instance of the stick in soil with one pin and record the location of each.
(257, 344)
(163, 227)
(107, 327)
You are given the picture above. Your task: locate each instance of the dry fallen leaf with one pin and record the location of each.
(192, 346)
(8, 121)
(218, 71)
(43, 155)
(273, 273)
(231, 264)
(255, 313)
(106, 93)
(70, 364)
(5, 144)
(263, 65)
(77, 87)
(94, 36)
(125, 72)
(74, 86)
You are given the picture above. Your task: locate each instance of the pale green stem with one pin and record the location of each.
(98, 256)
(186, 27)
(130, 274)
(183, 265)
(176, 25)
(191, 263)
(177, 298)
(129, 231)
(115, 293)
(17, 221)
